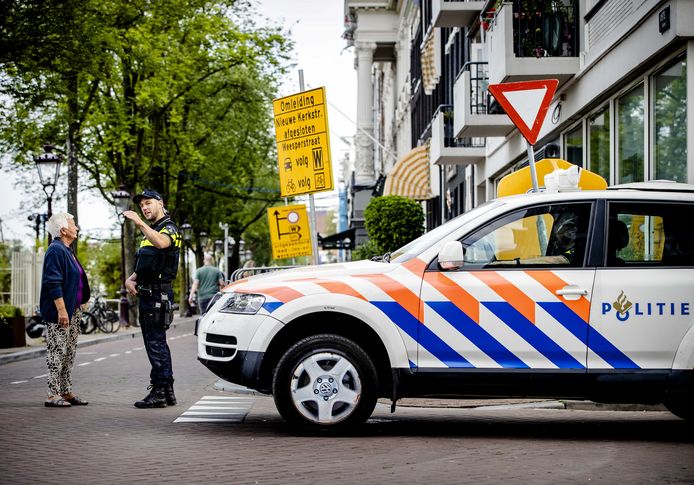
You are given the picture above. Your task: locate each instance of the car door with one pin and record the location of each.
(521, 300)
(644, 294)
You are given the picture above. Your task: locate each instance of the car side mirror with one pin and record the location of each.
(451, 255)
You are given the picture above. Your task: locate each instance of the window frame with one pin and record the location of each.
(592, 216)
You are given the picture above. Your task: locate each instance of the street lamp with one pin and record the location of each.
(48, 165)
(204, 239)
(121, 199)
(187, 232)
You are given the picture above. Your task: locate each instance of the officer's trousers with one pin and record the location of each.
(154, 336)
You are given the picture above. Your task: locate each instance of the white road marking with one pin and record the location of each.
(42, 375)
(217, 409)
(137, 348)
(114, 355)
(128, 351)
(100, 359)
(18, 382)
(83, 364)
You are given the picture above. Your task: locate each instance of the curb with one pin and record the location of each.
(40, 351)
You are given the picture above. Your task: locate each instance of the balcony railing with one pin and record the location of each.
(449, 138)
(476, 112)
(545, 29)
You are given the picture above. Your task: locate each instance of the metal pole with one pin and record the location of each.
(531, 164)
(50, 213)
(123, 310)
(311, 202)
(226, 252)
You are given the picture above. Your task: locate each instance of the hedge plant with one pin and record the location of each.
(392, 221)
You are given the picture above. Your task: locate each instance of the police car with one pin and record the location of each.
(577, 295)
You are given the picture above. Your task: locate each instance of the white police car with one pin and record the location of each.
(581, 295)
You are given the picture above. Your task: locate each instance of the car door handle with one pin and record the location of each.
(572, 292)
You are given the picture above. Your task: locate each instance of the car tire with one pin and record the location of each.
(325, 384)
(682, 407)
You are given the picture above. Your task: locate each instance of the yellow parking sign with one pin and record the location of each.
(303, 143)
(289, 231)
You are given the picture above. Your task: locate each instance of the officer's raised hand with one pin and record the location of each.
(132, 215)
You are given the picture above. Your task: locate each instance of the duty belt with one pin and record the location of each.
(156, 287)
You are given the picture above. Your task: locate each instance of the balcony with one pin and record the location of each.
(454, 13)
(475, 112)
(445, 149)
(533, 44)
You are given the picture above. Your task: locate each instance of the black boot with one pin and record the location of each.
(169, 393)
(155, 399)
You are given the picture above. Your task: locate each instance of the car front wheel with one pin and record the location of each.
(325, 383)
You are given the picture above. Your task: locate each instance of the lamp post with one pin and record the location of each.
(203, 239)
(187, 232)
(48, 165)
(121, 199)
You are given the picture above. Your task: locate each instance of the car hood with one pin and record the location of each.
(323, 272)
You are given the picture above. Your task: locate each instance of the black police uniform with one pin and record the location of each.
(156, 269)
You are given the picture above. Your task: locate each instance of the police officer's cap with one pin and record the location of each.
(147, 194)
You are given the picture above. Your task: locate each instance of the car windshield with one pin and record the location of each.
(425, 241)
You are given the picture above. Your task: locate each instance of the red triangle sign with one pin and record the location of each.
(526, 103)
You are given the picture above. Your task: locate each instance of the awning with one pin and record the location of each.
(341, 240)
(430, 59)
(410, 176)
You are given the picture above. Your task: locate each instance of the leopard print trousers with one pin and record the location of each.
(61, 346)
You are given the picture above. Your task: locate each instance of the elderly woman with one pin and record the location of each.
(64, 287)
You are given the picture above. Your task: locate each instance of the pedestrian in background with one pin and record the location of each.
(156, 265)
(64, 288)
(208, 281)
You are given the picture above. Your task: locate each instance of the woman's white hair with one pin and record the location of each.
(57, 222)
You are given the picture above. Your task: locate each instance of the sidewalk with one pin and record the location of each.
(37, 347)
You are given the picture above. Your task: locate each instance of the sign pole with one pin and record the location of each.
(311, 202)
(531, 164)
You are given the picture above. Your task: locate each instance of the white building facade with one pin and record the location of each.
(623, 108)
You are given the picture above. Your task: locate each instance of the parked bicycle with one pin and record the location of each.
(100, 316)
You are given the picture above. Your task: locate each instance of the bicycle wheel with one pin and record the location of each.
(114, 319)
(105, 324)
(88, 323)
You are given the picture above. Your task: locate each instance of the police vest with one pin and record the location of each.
(154, 265)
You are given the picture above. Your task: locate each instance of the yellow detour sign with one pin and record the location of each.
(303, 145)
(519, 182)
(289, 231)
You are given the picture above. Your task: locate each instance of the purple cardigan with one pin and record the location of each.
(61, 278)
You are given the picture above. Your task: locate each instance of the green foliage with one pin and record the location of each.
(366, 251)
(102, 262)
(392, 221)
(9, 311)
(174, 95)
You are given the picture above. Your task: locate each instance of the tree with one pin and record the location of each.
(392, 221)
(175, 95)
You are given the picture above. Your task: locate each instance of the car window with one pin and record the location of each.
(553, 235)
(424, 242)
(650, 234)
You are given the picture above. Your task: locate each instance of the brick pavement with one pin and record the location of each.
(110, 441)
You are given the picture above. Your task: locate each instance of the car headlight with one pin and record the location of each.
(247, 303)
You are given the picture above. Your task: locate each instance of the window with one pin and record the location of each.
(542, 236)
(599, 139)
(573, 146)
(670, 122)
(648, 234)
(630, 133)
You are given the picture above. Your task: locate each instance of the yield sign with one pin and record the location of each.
(526, 103)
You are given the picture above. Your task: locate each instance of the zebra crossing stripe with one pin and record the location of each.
(217, 409)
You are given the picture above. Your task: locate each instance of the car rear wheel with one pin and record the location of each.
(325, 383)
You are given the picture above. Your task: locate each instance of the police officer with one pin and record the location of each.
(156, 264)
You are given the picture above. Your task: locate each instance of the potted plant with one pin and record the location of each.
(12, 327)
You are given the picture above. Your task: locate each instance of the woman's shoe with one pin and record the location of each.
(76, 401)
(57, 403)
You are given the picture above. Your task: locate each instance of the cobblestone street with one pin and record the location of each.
(110, 441)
